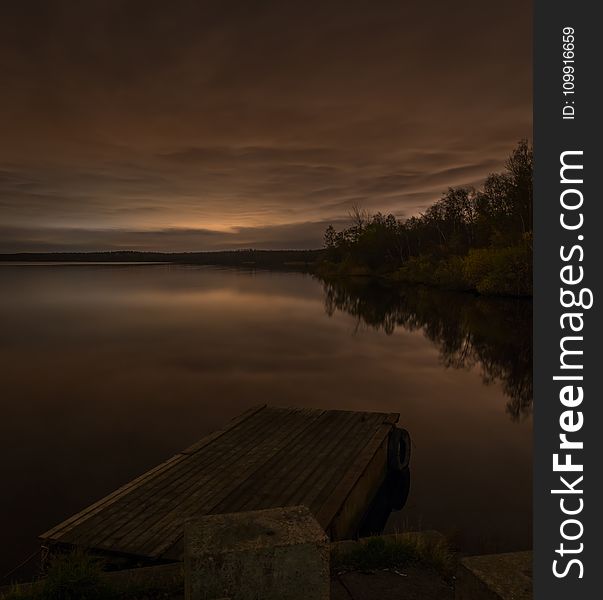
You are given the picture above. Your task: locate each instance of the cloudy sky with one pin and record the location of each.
(194, 125)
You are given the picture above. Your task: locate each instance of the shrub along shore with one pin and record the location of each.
(490, 271)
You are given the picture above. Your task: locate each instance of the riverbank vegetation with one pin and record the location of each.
(475, 240)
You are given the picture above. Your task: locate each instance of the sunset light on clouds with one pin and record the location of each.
(210, 126)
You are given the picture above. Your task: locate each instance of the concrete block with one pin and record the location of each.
(495, 577)
(274, 554)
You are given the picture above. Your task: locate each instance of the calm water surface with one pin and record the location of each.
(109, 369)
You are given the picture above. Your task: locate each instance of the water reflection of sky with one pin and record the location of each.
(108, 370)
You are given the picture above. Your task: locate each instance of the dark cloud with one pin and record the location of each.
(247, 118)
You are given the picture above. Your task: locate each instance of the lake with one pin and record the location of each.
(109, 369)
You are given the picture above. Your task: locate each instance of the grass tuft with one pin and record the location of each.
(16, 593)
(73, 576)
(395, 551)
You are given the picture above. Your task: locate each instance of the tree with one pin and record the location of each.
(329, 238)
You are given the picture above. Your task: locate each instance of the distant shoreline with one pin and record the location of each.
(305, 261)
(270, 259)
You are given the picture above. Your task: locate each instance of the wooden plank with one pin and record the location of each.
(122, 508)
(137, 521)
(67, 525)
(309, 460)
(206, 492)
(174, 485)
(198, 504)
(373, 427)
(208, 439)
(276, 473)
(329, 509)
(207, 455)
(349, 516)
(322, 482)
(265, 457)
(273, 478)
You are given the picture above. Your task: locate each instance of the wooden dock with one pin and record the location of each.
(331, 461)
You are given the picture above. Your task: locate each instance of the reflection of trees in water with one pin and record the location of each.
(493, 334)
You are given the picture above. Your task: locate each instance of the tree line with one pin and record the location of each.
(477, 239)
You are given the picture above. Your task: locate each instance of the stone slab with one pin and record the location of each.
(495, 577)
(274, 554)
(409, 583)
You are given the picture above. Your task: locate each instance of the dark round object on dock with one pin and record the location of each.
(398, 449)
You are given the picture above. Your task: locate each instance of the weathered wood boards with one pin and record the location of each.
(268, 457)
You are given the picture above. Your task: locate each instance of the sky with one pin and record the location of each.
(194, 125)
